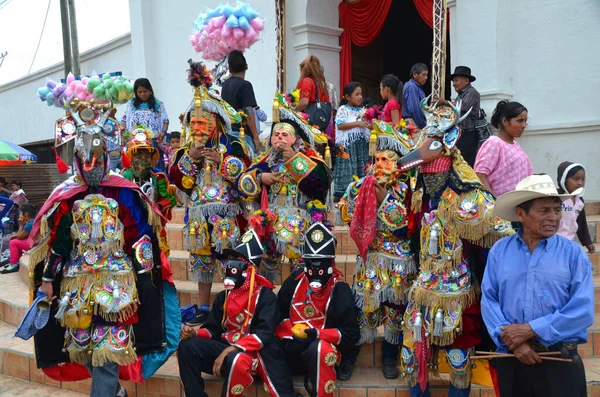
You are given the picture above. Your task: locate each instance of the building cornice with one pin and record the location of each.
(560, 129)
(318, 29)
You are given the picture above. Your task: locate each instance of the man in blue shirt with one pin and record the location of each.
(537, 295)
(414, 94)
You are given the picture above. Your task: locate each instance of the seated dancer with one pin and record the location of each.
(98, 251)
(377, 209)
(205, 168)
(290, 175)
(318, 317)
(151, 180)
(457, 223)
(237, 341)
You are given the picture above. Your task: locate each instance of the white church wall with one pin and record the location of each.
(26, 119)
(161, 47)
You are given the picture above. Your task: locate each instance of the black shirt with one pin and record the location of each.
(239, 93)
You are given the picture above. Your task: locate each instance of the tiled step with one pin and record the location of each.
(10, 386)
(17, 362)
(592, 207)
(593, 222)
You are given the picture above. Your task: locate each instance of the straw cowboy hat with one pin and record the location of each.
(530, 188)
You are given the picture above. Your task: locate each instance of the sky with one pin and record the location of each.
(21, 24)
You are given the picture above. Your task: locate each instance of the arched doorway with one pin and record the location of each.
(404, 40)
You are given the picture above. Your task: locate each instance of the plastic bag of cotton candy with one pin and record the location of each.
(219, 31)
(101, 88)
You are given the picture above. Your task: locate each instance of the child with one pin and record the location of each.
(391, 89)
(20, 242)
(571, 176)
(352, 140)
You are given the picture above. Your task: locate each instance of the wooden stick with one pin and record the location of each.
(539, 354)
(543, 357)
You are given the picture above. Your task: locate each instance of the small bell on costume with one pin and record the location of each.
(328, 156)
(242, 134)
(192, 231)
(62, 305)
(207, 173)
(438, 322)
(433, 239)
(417, 327)
(296, 236)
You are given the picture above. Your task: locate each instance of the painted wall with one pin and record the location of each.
(547, 58)
(161, 47)
(26, 119)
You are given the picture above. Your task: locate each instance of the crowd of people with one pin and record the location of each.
(461, 247)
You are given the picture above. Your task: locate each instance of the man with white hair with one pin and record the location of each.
(538, 295)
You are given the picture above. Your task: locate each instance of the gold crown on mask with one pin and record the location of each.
(87, 118)
(141, 139)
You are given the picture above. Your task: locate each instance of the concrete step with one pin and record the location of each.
(17, 361)
(11, 386)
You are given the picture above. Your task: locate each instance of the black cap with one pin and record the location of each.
(249, 248)
(319, 243)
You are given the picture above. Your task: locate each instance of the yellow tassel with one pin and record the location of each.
(372, 144)
(328, 156)
(296, 237)
(224, 239)
(207, 174)
(242, 134)
(182, 138)
(275, 111)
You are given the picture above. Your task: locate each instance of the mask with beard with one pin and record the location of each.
(141, 167)
(385, 168)
(94, 176)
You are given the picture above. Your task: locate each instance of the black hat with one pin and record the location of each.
(463, 71)
(249, 248)
(320, 242)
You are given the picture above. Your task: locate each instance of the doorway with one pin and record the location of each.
(404, 40)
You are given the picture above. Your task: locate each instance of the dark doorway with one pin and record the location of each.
(404, 40)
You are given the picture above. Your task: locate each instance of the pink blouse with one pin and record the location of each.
(504, 164)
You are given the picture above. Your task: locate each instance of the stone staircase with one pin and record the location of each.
(17, 362)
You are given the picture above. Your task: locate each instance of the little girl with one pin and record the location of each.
(571, 176)
(351, 140)
(391, 91)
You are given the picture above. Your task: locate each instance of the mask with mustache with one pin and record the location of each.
(141, 168)
(385, 168)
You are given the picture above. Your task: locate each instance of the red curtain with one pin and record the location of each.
(362, 23)
(425, 9)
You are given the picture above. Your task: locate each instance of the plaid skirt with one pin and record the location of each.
(351, 160)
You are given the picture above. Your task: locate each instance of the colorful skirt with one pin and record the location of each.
(351, 160)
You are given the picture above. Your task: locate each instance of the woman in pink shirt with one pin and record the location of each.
(501, 162)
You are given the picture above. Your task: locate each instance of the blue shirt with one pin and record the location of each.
(413, 95)
(551, 289)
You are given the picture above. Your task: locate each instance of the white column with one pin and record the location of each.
(480, 39)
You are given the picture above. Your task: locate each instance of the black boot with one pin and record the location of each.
(390, 369)
(344, 371)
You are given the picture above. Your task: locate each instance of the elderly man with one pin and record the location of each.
(537, 295)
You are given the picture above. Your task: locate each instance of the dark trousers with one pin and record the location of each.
(548, 379)
(468, 143)
(196, 355)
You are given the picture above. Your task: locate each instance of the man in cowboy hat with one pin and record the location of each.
(469, 98)
(538, 295)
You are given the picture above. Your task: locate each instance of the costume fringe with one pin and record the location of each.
(416, 203)
(337, 218)
(395, 295)
(213, 107)
(206, 210)
(271, 275)
(432, 299)
(391, 263)
(472, 230)
(461, 381)
(204, 277)
(366, 301)
(388, 143)
(391, 336)
(106, 354)
(367, 335)
(106, 248)
(433, 265)
(80, 356)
